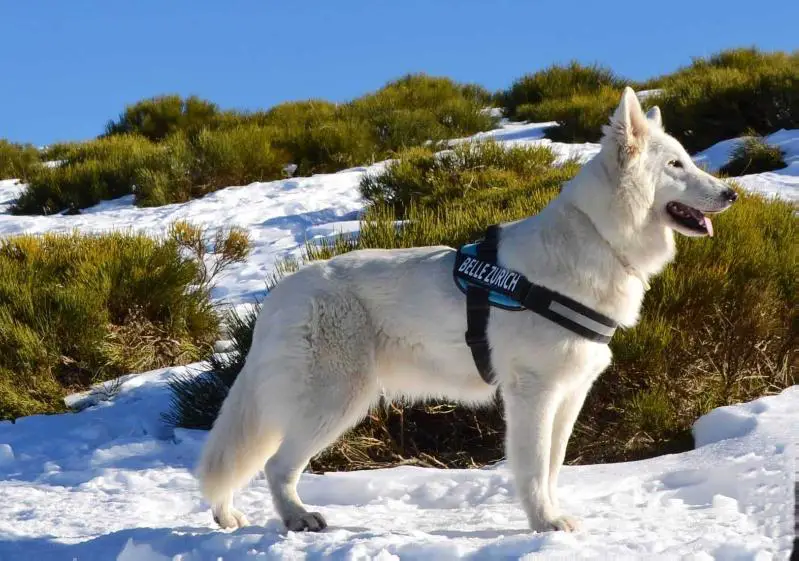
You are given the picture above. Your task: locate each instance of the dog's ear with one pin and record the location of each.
(629, 126)
(654, 116)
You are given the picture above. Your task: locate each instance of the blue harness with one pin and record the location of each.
(496, 298)
(487, 284)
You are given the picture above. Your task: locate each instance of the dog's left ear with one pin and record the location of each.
(654, 116)
(629, 125)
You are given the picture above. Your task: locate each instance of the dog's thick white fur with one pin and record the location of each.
(335, 335)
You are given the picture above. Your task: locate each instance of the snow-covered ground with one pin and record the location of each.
(782, 183)
(113, 482)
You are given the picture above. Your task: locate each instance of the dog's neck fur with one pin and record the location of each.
(621, 213)
(623, 242)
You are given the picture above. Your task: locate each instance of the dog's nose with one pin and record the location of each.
(729, 195)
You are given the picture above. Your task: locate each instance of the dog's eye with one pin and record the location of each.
(675, 163)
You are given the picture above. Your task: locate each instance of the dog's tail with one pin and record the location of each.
(239, 444)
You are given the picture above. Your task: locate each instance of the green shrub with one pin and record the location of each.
(92, 171)
(17, 161)
(419, 108)
(558, 82)
(326, 145)
(749, 60)
(187, 168)
(580, 116)
(754, 155)
(468, 173)
(80, 309)
(175, 170)
(168, 149)
(719, 326)
(322, 137)
(59, 151)
(713, 99)
(158, 117)
(729, 94)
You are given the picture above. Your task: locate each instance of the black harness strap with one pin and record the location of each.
(478, 309)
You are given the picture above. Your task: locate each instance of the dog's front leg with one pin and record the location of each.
(567, 412)
(530, 408)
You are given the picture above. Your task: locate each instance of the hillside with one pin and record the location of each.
(114, 482)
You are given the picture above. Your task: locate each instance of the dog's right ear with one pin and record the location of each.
(628, 125)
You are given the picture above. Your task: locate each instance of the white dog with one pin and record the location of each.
(333, 336)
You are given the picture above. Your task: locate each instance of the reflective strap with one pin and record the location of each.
(579, 318)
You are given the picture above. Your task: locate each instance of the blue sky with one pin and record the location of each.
(68, 67)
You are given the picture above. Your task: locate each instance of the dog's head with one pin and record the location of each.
(658, 180)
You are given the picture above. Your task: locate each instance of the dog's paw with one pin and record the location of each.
(306, 522)
(230, 518)
(562, 523)
(565, 523)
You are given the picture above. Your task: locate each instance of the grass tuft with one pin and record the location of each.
(754, 155)
(468, 173)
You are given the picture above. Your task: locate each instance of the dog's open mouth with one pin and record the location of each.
(690, 218)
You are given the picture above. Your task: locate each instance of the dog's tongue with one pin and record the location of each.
(709, 226)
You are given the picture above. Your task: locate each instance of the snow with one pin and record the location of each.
(279, 215)
(782, 183)
(761, 415)
(10, 190)
(532, 134)
(114, 482)
(644, 94)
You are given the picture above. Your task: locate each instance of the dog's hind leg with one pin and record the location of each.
(334, 394)
(310, 436)
(241, 439)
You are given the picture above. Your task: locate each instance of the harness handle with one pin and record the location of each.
(478, 310)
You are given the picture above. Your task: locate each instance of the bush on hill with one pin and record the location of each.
(713, 99)
(168, 149)
(558, 82)
(580, 117)
(79, 309)
(89, 173)
(158, 117)
(17, 161)
(468, 173)
(729, 94)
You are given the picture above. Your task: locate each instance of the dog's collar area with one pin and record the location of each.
(487, 284)
(619, 257)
